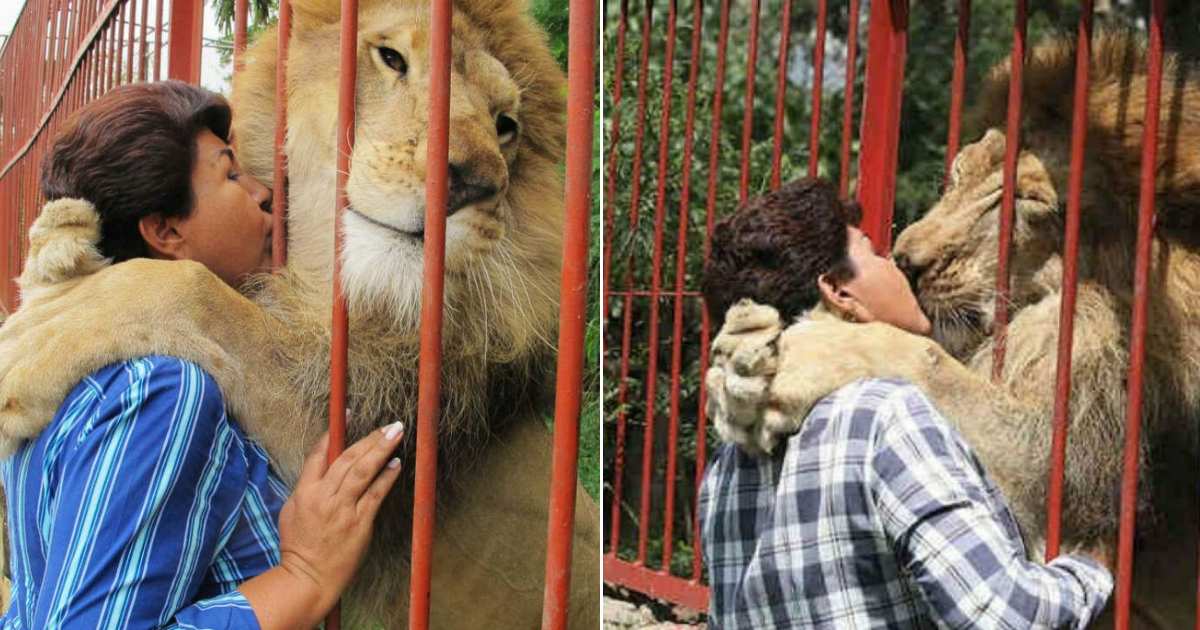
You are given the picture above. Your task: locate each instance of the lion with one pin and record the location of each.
(270, 355)
(950, 255)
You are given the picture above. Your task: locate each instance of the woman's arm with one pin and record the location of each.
(954, 539)
(139, 498)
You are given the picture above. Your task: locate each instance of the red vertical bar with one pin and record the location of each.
(705, 324)
(113, 31)
(627, 311)
(187, 30)
(814, 134)
(615, 134)
(120, 44)
(748, 118)
(132, 6)
(887, 44)
(1141, 293)
(1009, 201)
(1066, 316)
(848, 110)
(279, 185)
(581, 94)
(158, 31)
(680, 273)
(958, 83)
(240, 9)
(429, 387)
(780, 92)
(142, 60)
(61, 52)
(664, 133)
(339, 359)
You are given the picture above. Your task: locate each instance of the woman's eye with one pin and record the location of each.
(233, 175)
(394, 60)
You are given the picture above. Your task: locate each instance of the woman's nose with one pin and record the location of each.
(260, 193)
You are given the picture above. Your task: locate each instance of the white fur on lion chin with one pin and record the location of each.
(383, 269)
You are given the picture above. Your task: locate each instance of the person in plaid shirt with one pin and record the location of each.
(876, 514)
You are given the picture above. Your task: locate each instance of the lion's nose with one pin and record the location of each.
(466, 187)
(911, 269)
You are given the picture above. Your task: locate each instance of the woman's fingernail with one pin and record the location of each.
(394, 463)
(392, 431)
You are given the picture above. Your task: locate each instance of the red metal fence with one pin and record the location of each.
(630, 565)
(65, 53)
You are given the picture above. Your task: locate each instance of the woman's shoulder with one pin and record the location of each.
(155, 392)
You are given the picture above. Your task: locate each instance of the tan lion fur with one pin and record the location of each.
(500, 309)
(1009, 423)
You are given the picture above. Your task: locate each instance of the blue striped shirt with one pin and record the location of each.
(142, 505)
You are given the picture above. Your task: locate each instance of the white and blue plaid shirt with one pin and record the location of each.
(877, 515)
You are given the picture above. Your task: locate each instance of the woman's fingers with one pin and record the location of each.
(341, 466)
(315, 464)
(368, 505)
(378, 448)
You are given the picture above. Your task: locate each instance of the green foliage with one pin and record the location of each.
(662, 160)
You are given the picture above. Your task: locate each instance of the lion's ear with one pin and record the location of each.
(977, 159)
(317, 11)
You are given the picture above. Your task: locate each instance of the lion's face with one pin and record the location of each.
(506, 139)
(951, 254)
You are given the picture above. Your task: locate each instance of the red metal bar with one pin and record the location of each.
(187, 31)
(780, 92)
(627, 321)
(614, 136)
(1009, 201)
(814, 134)
(887, 44)
(25, 110)
(748, 118)
(240, 9)
(339, 359)
(656, 281)
(705, 324)
(279, 184)
(1141, 293)
(581, 94)
(958, 83)
(688, 593)
(142, 60)
(120, 44)
(110, 53)
(158, 29)
(437, 171)
(848, 110)
(130, 39)
(680, 273)
(1066, 317)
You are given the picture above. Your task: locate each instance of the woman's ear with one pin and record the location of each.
(162, 237)
(837, 298)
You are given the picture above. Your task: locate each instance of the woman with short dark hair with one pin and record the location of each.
(143, 504)
(876, 513)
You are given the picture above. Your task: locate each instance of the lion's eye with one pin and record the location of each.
(506, 128)
(394, 60)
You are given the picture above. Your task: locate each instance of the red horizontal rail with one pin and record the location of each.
(656, 584)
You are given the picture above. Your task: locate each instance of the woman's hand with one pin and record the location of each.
(324, 530)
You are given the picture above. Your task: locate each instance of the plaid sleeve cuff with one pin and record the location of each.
(1096, 581)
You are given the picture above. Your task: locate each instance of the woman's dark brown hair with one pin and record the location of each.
(131, 154)
(773, 249)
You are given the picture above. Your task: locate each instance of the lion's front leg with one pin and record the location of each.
(1094, 461)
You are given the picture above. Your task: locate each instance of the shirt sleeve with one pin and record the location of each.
(964, 556)
(147, 492)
